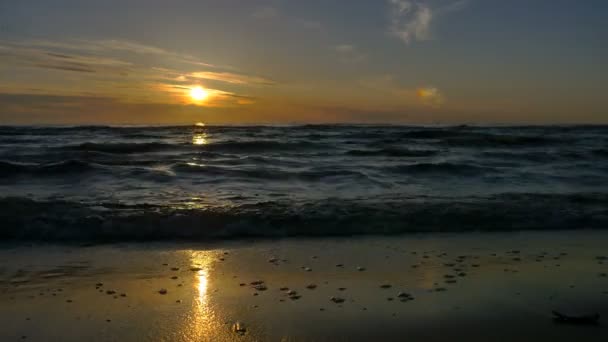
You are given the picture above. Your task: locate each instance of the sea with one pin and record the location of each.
(197, 182)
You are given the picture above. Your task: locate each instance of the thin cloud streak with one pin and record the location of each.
(106, 69)
(231, 78)
(349, 53)
(270, 13)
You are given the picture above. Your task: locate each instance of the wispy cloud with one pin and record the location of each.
(310, 24)
(115, 68)
(229, 77)
(216, 97)
(109, 46)
(345, 48)
(349, 53)
(52, 59)
(427, 96)
(430, 96)
(266, 13)
(410, 20)
(269, 13)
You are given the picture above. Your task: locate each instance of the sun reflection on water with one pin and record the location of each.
(200, 139)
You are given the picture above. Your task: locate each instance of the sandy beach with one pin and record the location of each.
(435, 287)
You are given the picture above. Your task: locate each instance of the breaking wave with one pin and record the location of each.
(25, 219)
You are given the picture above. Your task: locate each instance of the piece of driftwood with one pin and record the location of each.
(590, 319)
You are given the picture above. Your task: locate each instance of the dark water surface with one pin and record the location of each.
(189, 182)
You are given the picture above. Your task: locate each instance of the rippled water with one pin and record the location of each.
(228, 181)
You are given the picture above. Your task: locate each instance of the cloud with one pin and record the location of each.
(179, 93)
(427, 96)
(309, 24)
(430, 96)
(270, 13)
(58, 60)
(266, 13)
(229, 77)
(454, 6)
(115, 69)
(108, 46)
(349, 53)
(410, 20)
(345, 48)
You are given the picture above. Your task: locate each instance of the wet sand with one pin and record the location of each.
(435, 287)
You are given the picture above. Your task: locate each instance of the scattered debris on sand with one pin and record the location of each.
(239, 328)
(404, 296)
(588, 319)
(337, 300)
(260, 287)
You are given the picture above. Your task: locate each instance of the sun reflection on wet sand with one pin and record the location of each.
(202, 322)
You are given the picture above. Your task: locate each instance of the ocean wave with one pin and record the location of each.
(601, 152)
(263, 146)
(392, 152)
(118, 148)
(469, 137)
(61, 221)
(443, 168)
(263, 173)
(67, 167)
(538, 157)
(480, 140)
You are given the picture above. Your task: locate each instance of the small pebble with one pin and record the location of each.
(260, 287)
(337, 300)
(239, 328)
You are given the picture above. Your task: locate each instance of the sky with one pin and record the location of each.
(296, 61)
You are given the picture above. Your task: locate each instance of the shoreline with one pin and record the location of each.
(507, 290)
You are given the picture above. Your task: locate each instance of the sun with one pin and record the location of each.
(198, 94)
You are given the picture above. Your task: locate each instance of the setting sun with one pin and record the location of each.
(198, 93)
